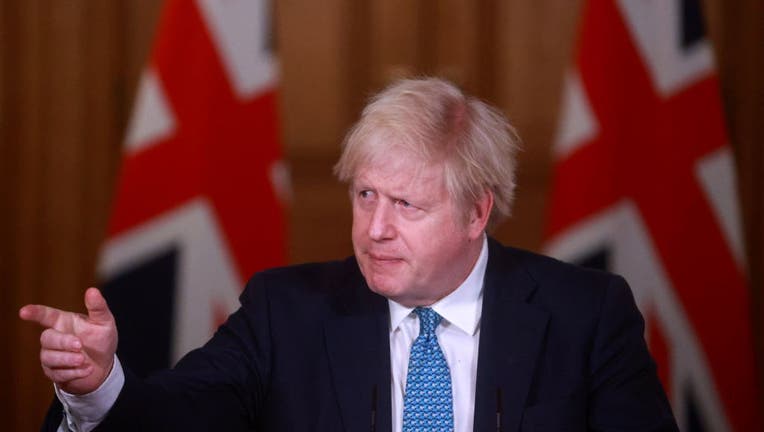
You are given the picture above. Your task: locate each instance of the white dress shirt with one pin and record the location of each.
(458, 335)
(82, 413)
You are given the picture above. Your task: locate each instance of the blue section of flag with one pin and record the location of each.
(598, 259)
(693, 29)
(694, 420)
(141, 299)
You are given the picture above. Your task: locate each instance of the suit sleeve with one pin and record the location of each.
(625, 393)
(217, 387)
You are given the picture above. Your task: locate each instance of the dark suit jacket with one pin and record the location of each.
(561, 348)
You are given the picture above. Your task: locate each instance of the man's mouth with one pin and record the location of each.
(383, 257)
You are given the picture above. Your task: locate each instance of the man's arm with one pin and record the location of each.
(217, 387)
(82, 413)
(220, 386)
(624, 387)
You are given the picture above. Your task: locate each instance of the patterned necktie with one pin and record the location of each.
(427, 404)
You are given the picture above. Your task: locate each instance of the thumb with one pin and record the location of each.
(98, 310)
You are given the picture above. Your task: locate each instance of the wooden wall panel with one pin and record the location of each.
(63, 66)
(7, 312)
(25, 125)
(103, 96)
(739, 35)
(69, 70)
(7, 170)
(395, 50)
(313, 42)
(311, 36)
(455, 43)
(535, 41)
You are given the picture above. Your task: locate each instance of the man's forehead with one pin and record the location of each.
(399, 169)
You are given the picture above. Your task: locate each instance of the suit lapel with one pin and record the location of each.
(511, 336)
(357, 345)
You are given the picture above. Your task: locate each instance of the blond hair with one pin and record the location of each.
(435, 121)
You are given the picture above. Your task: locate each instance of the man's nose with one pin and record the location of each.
(381, 225)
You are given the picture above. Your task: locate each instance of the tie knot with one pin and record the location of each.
(428, 320)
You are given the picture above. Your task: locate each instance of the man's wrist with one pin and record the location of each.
(87, 410)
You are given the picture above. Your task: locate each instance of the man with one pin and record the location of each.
(430, 326)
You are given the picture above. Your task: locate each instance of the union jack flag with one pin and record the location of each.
(198, 204)
(644, 185)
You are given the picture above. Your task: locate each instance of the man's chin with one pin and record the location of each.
(384, 287)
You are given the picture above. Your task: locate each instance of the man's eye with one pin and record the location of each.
(364, 194)
(405, 204)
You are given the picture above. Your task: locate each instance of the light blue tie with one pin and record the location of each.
(427, 404)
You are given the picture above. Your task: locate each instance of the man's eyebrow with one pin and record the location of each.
(358, 184)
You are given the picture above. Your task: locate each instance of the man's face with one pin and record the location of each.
(412, 243)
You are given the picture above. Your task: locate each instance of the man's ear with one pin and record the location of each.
(479, 214)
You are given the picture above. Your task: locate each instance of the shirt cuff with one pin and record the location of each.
(84, 412)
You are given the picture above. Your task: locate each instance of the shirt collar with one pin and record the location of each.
(462, 307)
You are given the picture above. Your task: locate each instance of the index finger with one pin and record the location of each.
(46, 316)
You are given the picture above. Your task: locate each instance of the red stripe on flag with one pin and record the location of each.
(223, 149)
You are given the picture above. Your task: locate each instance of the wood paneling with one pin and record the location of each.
(68, 73)
(312, 45)
(739, 35)
(64, 85)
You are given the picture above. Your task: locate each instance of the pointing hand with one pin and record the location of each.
(77, 351)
